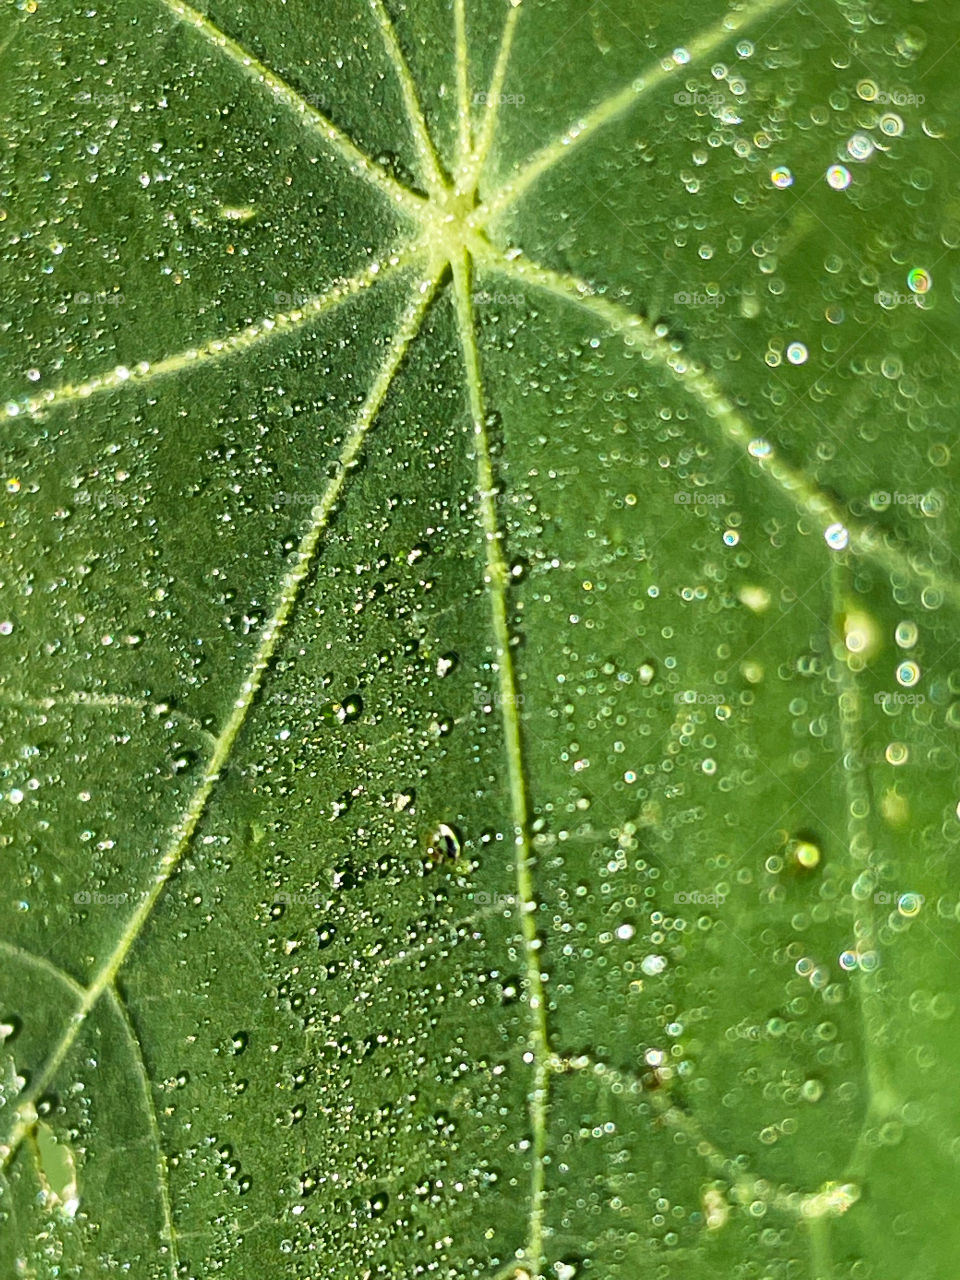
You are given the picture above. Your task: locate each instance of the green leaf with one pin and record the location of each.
(479, 697)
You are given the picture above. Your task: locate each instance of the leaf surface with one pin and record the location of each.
(479, 708)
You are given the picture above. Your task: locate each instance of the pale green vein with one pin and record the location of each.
(497, 579)
(464, 121)
(46, 966)
(491, 109)
(359, 164)
(430, 170)
(802, 492)
(881, 1097)
(103, 702)
(832, 1199)
(287, 597)
(617, 103)
(168, 1234)
(144, 372)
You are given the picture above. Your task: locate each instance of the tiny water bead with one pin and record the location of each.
(838, 177)
(731, 537)
(891, 124)
(837, 536)
(919, 280)
(909, 904)
(908, 673)
(860, 146)
(781, 177)
(806, 854)
(897, 753)
(797, 353)
(906, 634)
(444, 843)
(345, 712)
(848, 960)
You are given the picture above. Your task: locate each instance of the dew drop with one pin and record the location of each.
(908, 673)
(837, 536)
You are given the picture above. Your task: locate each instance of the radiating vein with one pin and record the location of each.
(497, 579)
(491, 109)
(430, 171)
(287, 597)
(44, 965)
(833, 1198)
(617, 103)
(464, 121)
(359, 164)
(101, 702)
(286, 322)
(803, 493)
(168, 1234)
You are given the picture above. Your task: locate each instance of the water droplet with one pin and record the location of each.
(653, 964)
(837, 536)
(781, 177)
(345, 712)
(806, 854)
(731, 537)
(908, 673)
(838, 177)
(860, 146)
(919, 280)
(906, 634)
(377, 1204)
(909, 904)
(891, 124)
(444, 843)
(797, 353)
(446, 663)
